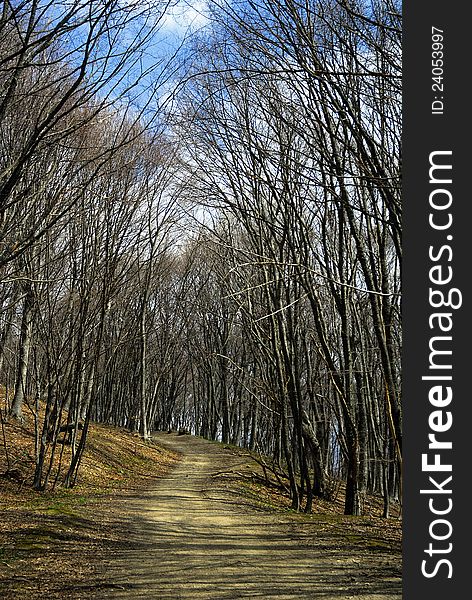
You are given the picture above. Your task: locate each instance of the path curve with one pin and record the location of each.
(188, 540)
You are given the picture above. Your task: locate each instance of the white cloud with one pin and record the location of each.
(186, 15)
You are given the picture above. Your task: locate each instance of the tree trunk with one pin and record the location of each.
(26, 338)
(309, 434)
(353, 504)
(144, 427)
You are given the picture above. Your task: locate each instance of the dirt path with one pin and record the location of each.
(187, 539)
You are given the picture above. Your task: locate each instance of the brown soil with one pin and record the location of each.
(195, 537)
(198, 533)
(52, 542)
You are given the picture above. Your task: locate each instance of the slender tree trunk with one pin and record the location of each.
(309, 434)
(144, 427)
(288, 458)
(26, 339)
(353, 504)
(254, 425)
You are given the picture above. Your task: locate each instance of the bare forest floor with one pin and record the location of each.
(184, 518)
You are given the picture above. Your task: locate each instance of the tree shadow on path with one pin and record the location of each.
(184, 540)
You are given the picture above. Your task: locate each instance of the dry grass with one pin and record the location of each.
(369, 532)
(50, 541)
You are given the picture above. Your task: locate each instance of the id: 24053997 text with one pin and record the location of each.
(437, 70)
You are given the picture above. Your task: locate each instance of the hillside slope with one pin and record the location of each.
(50, 541)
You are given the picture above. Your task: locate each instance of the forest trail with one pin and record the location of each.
(189, 538)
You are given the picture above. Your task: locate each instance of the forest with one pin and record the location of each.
(205, 235)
